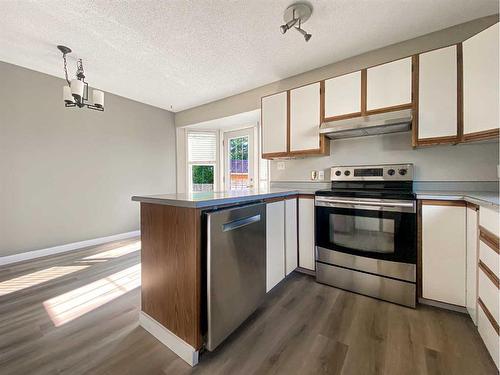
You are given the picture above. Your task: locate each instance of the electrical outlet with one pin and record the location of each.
(281, 165)
(321, 175)
(314, 175)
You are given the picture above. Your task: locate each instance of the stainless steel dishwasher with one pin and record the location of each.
(236, 268)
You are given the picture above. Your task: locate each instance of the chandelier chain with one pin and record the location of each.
(65, 68)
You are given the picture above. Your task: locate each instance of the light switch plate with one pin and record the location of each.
(321, 175)
(281, 165)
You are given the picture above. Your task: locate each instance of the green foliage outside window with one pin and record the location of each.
(203, 174)
(239, 148)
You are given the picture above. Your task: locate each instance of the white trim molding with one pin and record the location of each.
(15, 258)
(189, 354)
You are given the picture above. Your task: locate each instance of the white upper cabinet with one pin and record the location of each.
(305, 118)
(444, 253)
(437, 93)
(389, 85)
(274, 123)
(343, 95)
(480, 82)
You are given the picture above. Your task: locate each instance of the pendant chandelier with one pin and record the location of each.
(76, 93)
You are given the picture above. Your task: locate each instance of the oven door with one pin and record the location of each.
(375, 228)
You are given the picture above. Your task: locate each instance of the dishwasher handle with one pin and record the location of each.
(232, 225)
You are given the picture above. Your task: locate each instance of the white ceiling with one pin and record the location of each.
(183, 53)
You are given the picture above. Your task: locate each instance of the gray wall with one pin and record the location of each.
(464, 162)
(250, 100)
(68, 174)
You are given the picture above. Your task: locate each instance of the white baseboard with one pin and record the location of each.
(442, 305)
(15, 258)
(170, 340)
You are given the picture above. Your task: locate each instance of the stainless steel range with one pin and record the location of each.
(366, 232)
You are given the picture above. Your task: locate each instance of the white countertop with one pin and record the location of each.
(215, 198)
(481, 198)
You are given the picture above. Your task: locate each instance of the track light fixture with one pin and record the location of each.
(76, 93)
(297, 13)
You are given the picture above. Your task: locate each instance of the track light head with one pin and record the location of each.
(304, 34)
(287, 26)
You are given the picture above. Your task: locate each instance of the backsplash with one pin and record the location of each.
(464, 162)
(454, 186)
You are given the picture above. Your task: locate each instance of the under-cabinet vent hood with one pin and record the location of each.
(388, 122)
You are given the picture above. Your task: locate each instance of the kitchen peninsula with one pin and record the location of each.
(174, 263)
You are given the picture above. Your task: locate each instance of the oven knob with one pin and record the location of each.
(391, 172)
(402, 172)
(338, 173)
(347, 173)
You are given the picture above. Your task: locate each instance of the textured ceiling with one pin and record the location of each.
(182, 53)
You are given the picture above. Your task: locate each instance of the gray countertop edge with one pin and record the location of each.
(462, 196)
(479, 198)
(212, 202)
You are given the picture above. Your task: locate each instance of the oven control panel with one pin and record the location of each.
(388, 172)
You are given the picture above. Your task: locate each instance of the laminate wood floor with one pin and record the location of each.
(77, 313)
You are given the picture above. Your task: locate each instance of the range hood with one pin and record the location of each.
(382, 123)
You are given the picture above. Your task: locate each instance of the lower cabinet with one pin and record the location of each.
(488, 286)
(460, 263)
(275, 243)
(489, 334)
(281, 240)
(444, 251)
(290, 235)
(306, 232)
(471, 261)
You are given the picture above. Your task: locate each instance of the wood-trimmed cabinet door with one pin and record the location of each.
(305, 120)
(389, 86)
(274, 115)
(443, 251)
(438, 96)
(480, 85)
(291, 258)
(306, 232)
(275, 243)
(343, 97)
(471, 260)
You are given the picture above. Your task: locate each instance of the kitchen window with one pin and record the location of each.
(202, 161)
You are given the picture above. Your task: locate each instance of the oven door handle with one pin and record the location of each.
(364, 203)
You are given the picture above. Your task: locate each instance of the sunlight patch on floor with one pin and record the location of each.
(75, 303)
(117, 252)
(35, 278)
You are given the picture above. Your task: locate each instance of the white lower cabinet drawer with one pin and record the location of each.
(489, 257)
(488, 334)
(489, 219)
(488, 292)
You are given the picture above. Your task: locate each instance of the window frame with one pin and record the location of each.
(190, 164)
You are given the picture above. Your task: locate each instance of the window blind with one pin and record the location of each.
(202, 147)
